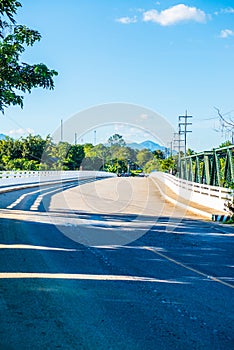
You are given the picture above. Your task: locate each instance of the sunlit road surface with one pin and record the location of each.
(108, 264)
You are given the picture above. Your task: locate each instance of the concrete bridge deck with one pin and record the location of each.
(109, 264)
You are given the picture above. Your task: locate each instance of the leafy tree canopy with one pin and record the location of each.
(189, 152)
(144, 156)
(225, 144)
(158, 154)
(18, 77)
(116, 140)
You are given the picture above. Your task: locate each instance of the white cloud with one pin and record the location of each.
(227, 10)
(175, 14)
(20, 132)
(226, 33)
(127, 20)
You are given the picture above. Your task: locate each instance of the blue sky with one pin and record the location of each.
(167, 56)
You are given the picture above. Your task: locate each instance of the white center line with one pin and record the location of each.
(212, 278)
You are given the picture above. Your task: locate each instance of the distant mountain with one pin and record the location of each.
(2, 137)
(150, 145)
(134, 145)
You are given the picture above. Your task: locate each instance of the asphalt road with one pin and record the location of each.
(108, 264)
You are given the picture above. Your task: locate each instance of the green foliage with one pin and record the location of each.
(36, 153)
(33, 147)
(143, 157)
(122, 153)
(152, 165)
(168, 164)
(165, 165)
(88, 150)
(225, 144)
(74, 157)
(10, 149)
(15, 76)
(158, 154)
(116, 166)
(22, 164)
(116, 140)
(8, 8)
(189, 152)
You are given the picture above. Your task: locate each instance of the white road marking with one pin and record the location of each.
(15, 203)
(15, 275)
(212, 278)
(36, 204)
(26, 246)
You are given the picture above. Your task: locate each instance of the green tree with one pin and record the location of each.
(101, 151)
(158, 154)
(33, 147)
(144, 156)
(11, 149)
(121, 153)
(152, 165)
(116, 140)
(225, 144)
(189, 152)
(18, 77)
(75, 157)
(22, 164)
(88, 150)
(168, 165)
(116, 166)
(66, 156)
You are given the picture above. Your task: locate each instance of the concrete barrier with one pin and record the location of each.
(209, 196)
(16, 179)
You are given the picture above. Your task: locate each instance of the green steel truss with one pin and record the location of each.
(212, 168)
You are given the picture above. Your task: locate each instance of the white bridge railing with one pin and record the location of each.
(11, 178)
(210, 196)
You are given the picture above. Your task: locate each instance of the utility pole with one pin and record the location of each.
(75, 138)
(95, 137)
(183, 128)
(61, 130)
(177, 144)
(177, 141)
